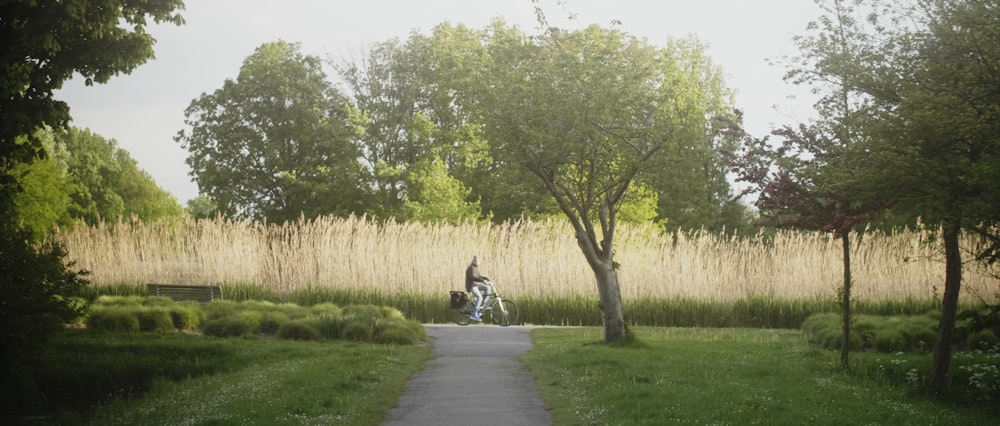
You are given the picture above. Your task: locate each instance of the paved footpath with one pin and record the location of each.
(473, 379)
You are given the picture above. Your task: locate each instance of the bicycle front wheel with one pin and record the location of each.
(504, 313)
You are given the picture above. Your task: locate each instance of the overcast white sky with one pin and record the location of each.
(143, 111)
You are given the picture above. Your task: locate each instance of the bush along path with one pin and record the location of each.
(324, 321)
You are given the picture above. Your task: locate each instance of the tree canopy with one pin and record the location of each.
(922, 77)
(592, 113)
(45, 44)
(275, 143)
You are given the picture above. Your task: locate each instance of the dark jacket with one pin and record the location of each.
(472, 275)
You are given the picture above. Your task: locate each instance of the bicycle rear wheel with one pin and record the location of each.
(462, 315)
(504, 313)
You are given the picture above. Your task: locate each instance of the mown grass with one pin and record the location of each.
(103, 378)
(667, 376)
(723, 376)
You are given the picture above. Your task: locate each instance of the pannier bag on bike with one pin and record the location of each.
(458, 299)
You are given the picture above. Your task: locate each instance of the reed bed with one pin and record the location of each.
(537, 260)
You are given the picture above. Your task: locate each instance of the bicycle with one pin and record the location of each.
(496, 309)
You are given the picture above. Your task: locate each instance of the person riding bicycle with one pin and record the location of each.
(480, 290)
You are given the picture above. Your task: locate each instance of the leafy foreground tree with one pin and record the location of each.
(928, 72)
(45, 43)
(590, 113)
(275, 143)
(800, 177)
(36, 290)
(797, 184)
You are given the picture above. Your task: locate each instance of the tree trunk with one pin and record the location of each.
(949, 308)
(845, 343)
(611, 303)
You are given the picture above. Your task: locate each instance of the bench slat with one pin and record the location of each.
(199, 293)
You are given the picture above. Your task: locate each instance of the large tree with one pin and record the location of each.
(589, 113)
(407, 107)
(928, 70)
(275, 143)
(388, 109)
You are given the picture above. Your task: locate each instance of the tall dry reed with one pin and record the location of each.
(538, 259)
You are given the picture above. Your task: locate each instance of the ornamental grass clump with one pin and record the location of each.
(300, 329)
(156, 319)
(112, 318)
(398, 331)
(326, 308)
(226, 318)
(219, 309)
(357, 330)
(329, 325)
(235, 325)
(187, 316)
(888, 334)
(271, 321)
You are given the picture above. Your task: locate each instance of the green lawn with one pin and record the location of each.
(176, 378)
(675, 376)
(718, 376)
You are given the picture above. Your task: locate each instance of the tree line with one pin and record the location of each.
(85, 178)
(405, 131)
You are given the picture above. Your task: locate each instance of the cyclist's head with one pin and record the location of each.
(475, 260)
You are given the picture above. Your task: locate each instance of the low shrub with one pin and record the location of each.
(228, 326)
(360, 311)
(983, 340)
(187, 316)
(390, 312)
(871, 332)
(919, 332)
(220, 309)
(113, 318)
(154, 319)
(271, 321)
(823, 330)
(253, 317)
(889, 340)
(300, 329)
(357, 329)
(326, 309)
(329, 326)
(399, 331)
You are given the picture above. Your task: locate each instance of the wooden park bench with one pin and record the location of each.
(197, 293)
